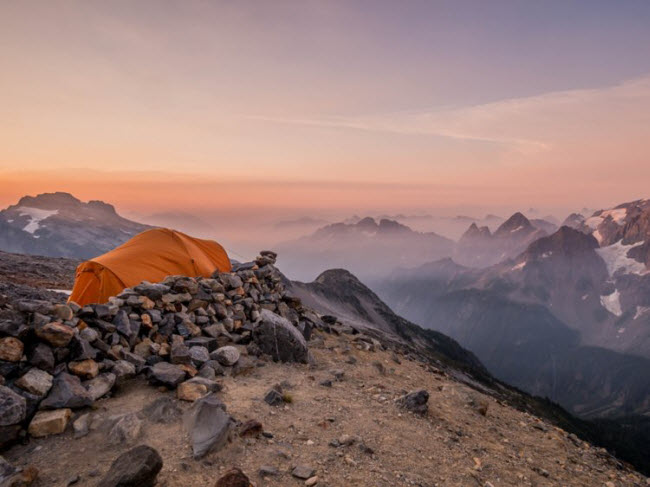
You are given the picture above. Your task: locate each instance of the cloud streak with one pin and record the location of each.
(524, 125)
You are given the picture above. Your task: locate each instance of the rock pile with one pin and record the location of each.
(181, 333)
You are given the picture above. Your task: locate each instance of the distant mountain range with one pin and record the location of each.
(60, 225)
(366, 248)
(568, 317)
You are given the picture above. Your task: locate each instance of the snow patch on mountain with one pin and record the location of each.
(616, 259)
(612, 303)
(640, 311)
(36, 215)
(598, 236)
(519, 266)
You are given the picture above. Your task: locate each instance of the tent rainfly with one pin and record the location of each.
(149, 256)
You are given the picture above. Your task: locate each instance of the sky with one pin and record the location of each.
(312, 106)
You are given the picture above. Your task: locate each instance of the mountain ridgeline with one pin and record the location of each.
(60, 225)
(567, 318)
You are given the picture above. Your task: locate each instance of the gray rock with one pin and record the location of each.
(67, 392)
(35, 381)
(42, 357)
(415, 402)
(303, 472)
(167, 374)
(100, 385)
(208, 425)
(268, 471)
(277, 337)
(227, 355)
(274, 397)
(137, 467)
(199, 355)
(13, 407)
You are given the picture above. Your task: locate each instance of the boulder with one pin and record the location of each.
(13, 407)
(46, 423)
(67, 392)
(277, 337)
(35, 381)
(208, 425)
(137, 467)
(227, 355)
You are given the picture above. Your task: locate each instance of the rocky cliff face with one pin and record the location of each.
(59, 225)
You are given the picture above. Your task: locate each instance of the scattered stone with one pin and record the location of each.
(208, 425)
(227, 355)
(81, 425)
(311, 481)
(303, 472)
(35, 381)
(268, 471)
(415, 402)
(11, 349)
(233, 478)
(137, 467)
(274, 397)
(251, 427)
(326, 383)
(47, 423)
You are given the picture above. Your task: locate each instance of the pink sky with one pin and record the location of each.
(324, 105)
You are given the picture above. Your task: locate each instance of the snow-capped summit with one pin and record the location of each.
(60, 225)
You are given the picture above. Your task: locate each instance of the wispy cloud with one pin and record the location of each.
(529, 124)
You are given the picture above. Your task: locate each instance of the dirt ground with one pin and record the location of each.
(453, 445)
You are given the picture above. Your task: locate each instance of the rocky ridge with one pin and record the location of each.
(213, 344)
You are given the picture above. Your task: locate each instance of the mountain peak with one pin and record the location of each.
(566, 241)
(515, 223)
(55, 200)
(474, 231)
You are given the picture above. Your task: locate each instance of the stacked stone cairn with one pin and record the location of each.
(55, 358)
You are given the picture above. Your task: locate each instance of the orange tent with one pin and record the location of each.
(149, 256)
